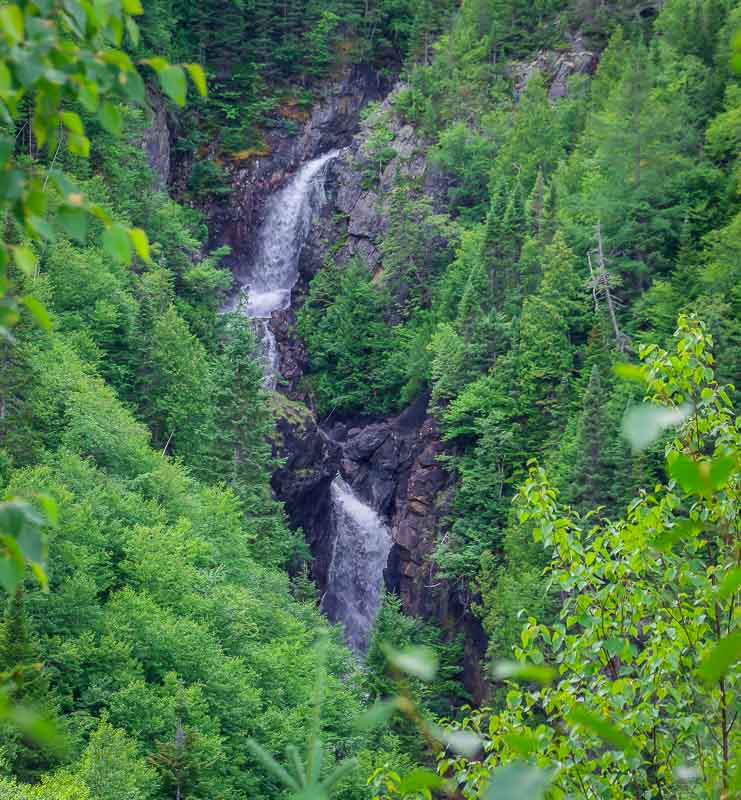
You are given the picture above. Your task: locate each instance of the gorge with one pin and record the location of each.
(367, 421)
(370, 496)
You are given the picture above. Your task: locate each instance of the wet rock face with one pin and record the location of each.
(310, 464)
(357, 214)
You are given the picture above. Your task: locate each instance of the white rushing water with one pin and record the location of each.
(267, 285)
(359, 556)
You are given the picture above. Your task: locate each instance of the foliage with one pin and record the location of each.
(644, 646)
(348, 341)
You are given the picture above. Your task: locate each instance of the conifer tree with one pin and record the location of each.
(590, 483)
(242, 452)
(19, 656)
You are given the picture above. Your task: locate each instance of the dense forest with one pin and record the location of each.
(563, 295)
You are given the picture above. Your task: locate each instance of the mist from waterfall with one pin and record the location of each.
(267, 284)
(360, 553)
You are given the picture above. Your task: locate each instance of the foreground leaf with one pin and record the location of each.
(606, 730)
(721, 658)
(419, 662)
(643, 424)
(518, 781)
(515, 670)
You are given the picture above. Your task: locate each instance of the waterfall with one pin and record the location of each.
(266, 287)
(359, 555)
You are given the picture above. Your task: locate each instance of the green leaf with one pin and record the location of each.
(32, 544)
(701, 477)
(521, 743)
(378, 714)
(156, 63)
(101, 214)
(515, 670)
(721, 658)
(11, 23)
(88, 95)
(111, 118)
(133, 86)
(721, 469)
(133, 30)
(38, 311)
(117, 244)
(686, 472)
(141, 243)
(614, 646)
(518, 781)
(72, 122)
(606, 730)
(12, 183)
(420, 662)
(132, 7)
(79, 145)
(420, 780)
(630, 372)
(6, 83)
(198, 76)
(685, 529)
(173, 83)
(643, 424)
(25, 260)
(15, 515)
(730, 584)
(38, 728)
(74, 221)
(11, 563)
(49, 507)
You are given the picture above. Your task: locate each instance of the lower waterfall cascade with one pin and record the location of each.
(269, 280)
(360, 554)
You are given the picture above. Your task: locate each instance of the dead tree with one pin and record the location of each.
(600, 282)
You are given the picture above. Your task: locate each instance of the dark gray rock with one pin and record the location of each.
(557, 67)
(156, 141)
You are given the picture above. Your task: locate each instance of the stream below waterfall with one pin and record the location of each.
(361, 541)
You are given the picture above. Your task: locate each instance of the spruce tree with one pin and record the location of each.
(242, 454)
(590, 483)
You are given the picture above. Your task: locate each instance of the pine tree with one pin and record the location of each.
(590, 483)
(550, 327)
(242, 453)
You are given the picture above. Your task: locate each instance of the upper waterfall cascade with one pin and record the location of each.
(267, 285)
(359, 556)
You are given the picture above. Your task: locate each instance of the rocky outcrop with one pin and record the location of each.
(156, 141)
(557, 67)
(356, 216)
(393, 464)
(310, 461)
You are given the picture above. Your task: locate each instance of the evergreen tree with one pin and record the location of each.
(590, 481)
(28, 686)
